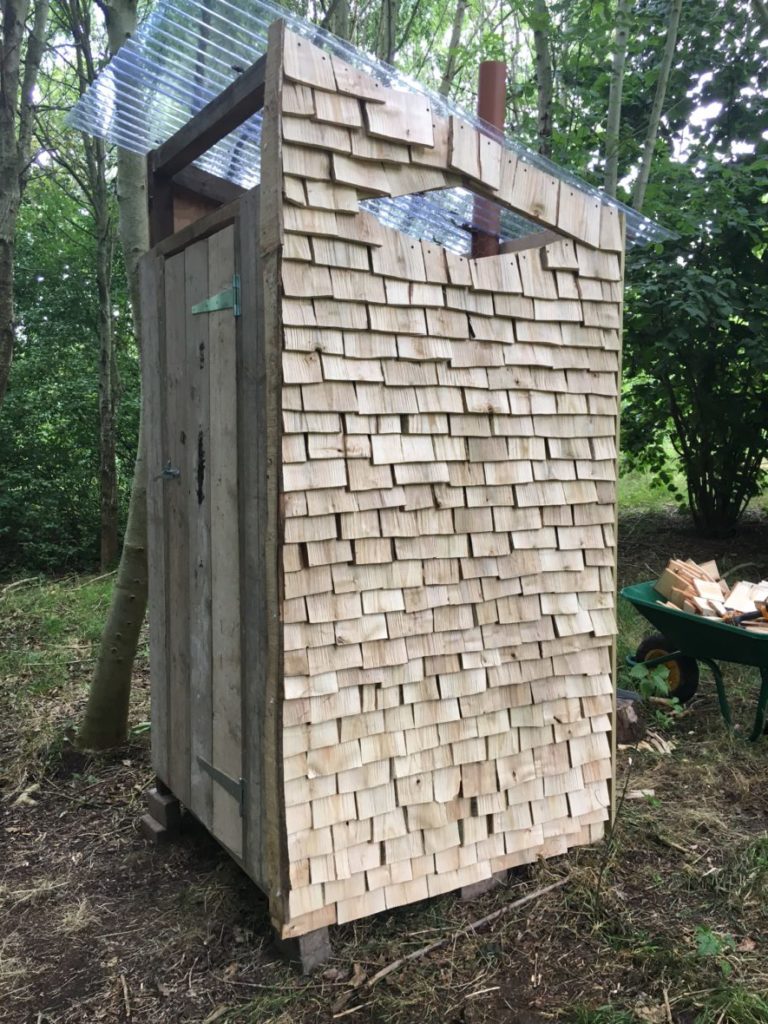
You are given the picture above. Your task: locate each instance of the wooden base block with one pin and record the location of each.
(629, 726)
(155, 831)
(471, 892)
(164, 808)
(309, 951)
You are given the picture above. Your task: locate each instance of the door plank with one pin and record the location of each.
(152, 289)
(198, 498)
(177, 528)
(225, 551)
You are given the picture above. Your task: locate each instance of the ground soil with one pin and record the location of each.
(662, 924)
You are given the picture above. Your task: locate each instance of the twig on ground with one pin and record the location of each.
(670, 843)
(95, 579)
(368, 983)
(18, 583)
(610, 845)
(352, 1009)
(126, 1000)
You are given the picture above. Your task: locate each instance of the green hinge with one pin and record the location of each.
(228, 299)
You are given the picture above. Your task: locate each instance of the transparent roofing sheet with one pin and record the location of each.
(188, 51)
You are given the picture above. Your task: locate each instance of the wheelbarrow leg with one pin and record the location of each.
(725, 708)
(762, 703)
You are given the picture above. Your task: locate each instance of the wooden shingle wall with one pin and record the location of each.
(448, 493)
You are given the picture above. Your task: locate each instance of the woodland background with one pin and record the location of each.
(662, 102)
(672, 92)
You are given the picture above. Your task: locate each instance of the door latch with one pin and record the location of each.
(168, 472)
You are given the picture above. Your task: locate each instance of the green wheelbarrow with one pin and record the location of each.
(684, 640)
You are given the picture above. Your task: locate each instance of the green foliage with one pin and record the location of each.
(650, 682)
(697, 313)
(713, 946)
(49, 422)
(695, 325)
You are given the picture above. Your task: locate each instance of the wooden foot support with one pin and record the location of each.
(163, 819)
(308, 951)
(164, 807)
(471, 892)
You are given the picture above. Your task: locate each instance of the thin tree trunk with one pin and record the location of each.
(544, 80)
(105, 723)
(75, 18)
(337, 19)
(18, 78)
(386, 44)
(107, 368)
(106, 718)
(453, 47)
(614, 97)
(673, 22)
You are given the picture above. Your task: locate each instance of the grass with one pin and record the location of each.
(665, 923)
(639, 492)
(50, 629)
(49, 636)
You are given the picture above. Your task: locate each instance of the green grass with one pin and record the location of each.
(733, 1004)
(639, 492)
(50, 629)
(603, 1015)
(49, 637)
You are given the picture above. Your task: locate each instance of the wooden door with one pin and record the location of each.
(191, 408)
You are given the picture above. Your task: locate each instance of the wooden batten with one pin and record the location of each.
(383, 583)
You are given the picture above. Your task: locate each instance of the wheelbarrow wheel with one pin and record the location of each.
(683, 677)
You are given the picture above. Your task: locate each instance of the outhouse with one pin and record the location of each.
(382, 476)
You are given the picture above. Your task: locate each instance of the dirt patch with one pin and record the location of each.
(664, 923)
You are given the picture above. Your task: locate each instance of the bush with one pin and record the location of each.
(696, 353)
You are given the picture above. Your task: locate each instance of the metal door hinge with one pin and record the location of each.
(235, 787)
(228, 299)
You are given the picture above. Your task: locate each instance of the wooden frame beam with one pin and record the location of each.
(168, 165)
(208, 186)
(241, 99)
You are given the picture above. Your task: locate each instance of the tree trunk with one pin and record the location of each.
(453, 47)
(105, 723)
(18, 78)
(107, 368)
(386, 45)
(544, 82)
(106, 718)
(673, 22)
(614, 97)
(337, 19)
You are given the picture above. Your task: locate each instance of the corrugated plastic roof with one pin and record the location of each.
(188, 51)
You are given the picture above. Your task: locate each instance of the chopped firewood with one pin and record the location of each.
(707, 588)
(667, 583)
(739, 599)
(699, 590)
(704, 607)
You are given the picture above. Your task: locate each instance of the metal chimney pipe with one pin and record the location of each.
(491, 107)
